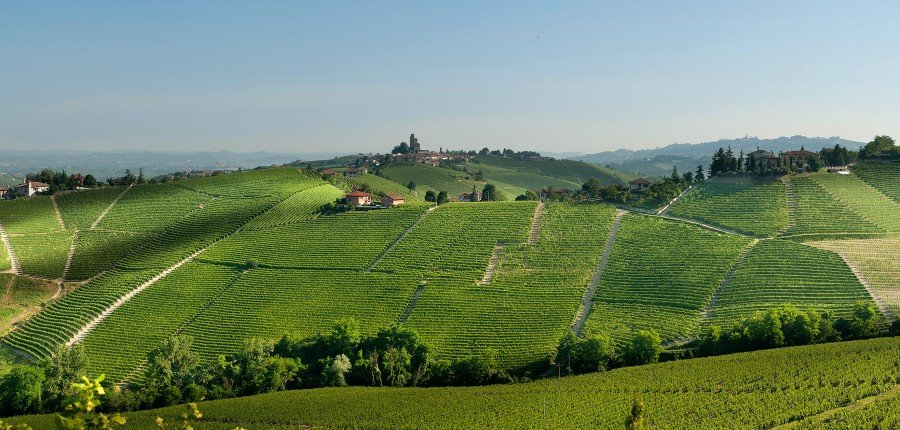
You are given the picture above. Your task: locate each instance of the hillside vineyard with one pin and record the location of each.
(245, 255)
(762, 389)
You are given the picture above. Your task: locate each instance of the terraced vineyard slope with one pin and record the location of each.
(660, 276)
(878, 260)
(778, 272)
(816, 213)
(750, 207)
(884, 177)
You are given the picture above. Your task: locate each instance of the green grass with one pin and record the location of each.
(150, 208)
(531, 299)
(58, 322)
(5, 262)
(386, 186)
(780, 272)
(521, 178)
(660, 275)
(756, 209)
(269, 303)
(313, 270)
(431, 178)
(749, 390)
(300, 207)
(576, 172)
(278, 182)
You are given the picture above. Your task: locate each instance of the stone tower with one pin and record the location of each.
(414, 143)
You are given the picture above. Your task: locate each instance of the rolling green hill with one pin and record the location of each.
(512, 176)
(232, 257)
(246, 255)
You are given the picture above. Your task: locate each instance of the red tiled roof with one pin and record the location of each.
(640, 181)
(395, 197)
(798, 153)
(358, 194)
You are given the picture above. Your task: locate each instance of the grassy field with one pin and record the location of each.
(576, 172)
(431, 178)
(511, 176)
(750, 390)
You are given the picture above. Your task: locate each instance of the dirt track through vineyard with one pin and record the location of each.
(587, 302)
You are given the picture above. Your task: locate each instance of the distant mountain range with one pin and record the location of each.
(687, 156)
(16, 163)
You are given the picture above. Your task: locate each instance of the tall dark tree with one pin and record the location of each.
(592, 188)
(719, 163)
(699, 175)
(442, 198)
(489, 193)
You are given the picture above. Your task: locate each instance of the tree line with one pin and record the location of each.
(790, 326)
(593, 189)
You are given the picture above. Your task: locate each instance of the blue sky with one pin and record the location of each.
(360, 76)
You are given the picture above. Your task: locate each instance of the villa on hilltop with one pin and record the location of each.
(763, 161)
(25, 189)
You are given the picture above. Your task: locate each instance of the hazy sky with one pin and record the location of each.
(328, 76)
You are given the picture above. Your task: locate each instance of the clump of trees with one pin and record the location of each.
(42, 388)
(394, 356)
(576, 355)
(838, 156)
(439, 198)
(882, 147)
(128, 178)
(789, 326)
(59, 181)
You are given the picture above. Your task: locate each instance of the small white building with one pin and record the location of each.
(843, 170)
(30, 188)
(355, 173)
